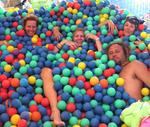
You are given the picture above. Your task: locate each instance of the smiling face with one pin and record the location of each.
(78, 37)
(129, 28)
(30, 27)
(116, 53)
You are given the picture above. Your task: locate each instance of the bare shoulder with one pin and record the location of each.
(137, 63)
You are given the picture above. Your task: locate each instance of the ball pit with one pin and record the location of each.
(90, 91)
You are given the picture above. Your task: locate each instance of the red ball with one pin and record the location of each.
(70, 4)
(1, 52)
(72, 81)
(20, 33)
(36, 116)
(107, 73)
(6, 84)
(87, 85)
(7, 37)
(66, 20)
(141, 27)
(33, 108)
(3, 77)
(11, 111)
(45, 102)
(19, 46)
(48, 33)
(87, 2)
(82, 78)
(38, 98)
(61, 9)
(20, 56)
(15, 82)
(70, 107)
(52, 13)
(77, 6)
(15, 24)
(9, 58)
(62, 65)
(51, 47)
(65, 56)
(120, 33)
(90, 92)
(22, 123)
(91, 53)
(4, 95)
(10, 93)
(102, 125)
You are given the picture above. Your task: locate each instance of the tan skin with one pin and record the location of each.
(135, 73)
(30, 28)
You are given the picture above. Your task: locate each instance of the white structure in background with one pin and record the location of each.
(147, 20)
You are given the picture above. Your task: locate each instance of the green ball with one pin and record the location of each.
(38, 90)
(69, 34)
(66, 72)
(109, 114)
(56, 78)
(64, 80)
(56, 8)
(84, 122)
(47, 124)
(73, 120)
(98, 62)
(111, 80)
(104, 31)
(132, 38)
(79, 14)
(7, 31)
(73, 27)
(24, 14)
(88, 74)
(58, 56)
(3, 47)
(83, 91)
(119, 103)
(39, 83)
(104, 58)
(93, 103)
(104, 45)
(35, 57)
(50, 26)
(23, 70)
(105, 107)
(40, 19)
(19, 27)
(65, 13)
(98, 71)
(78, 71)
(111, 91)
(51, 57)
(105, 10)
(93, 32)
(88, 23)
(7, 124)
(132, 58)
(113, 12)
(102, 66)
(17, 75)
(32, 102)
(71, 100)
(71, 22)
(142, 46)
(33, 64)
(132, 46)
(70, 52)
(96, 18)
(67, 29)
(3, 63)
(42, 35)
(112, 124)
(75, 91)
(61, 105)
(115, 76)
(67, 89)
(90, 27)
(146, 98)
(111, 63)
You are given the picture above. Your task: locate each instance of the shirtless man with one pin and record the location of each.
(135, 73)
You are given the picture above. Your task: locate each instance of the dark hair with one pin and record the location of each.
(78, 29)
(30, 17)
(124, 46)
(134, 20)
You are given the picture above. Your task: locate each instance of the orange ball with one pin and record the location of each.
(36, 116)
(104, 83)
(94, 81)
(15, 82)
(38, 98)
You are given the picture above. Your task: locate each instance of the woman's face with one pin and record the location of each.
(79, 37)
(30, 27)
(129, 28)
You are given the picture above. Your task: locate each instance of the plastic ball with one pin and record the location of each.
(15, 82)
(84, 122)
(143, 34)
(22, 123)
(15, 119)
(94, 80)
(82, 65)
(47, 124)
(7, 68)
(111, 91)
(145, 91)
(35, 116)
(120, 81)
(32, 80)
(104, 83)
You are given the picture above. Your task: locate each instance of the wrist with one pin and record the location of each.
(97, 39)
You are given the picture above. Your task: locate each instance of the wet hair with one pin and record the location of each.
(134, 20)
(124, 47)
(30, 17)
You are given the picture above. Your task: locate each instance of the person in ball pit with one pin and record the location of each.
(134, 73)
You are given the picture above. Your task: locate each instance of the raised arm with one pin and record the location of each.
(142, 72)
(50, 93)
(97, 41)
(56, 33)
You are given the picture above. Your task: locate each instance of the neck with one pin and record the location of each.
(124, 63)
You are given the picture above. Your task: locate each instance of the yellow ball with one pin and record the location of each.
(76, 126)
(74, 11)
(13, 126)
(148, 46)
(22, 62)
(70, 9)
(120, 81)
(7, 68)
(85, 16)
(34, 40)
(30, 10)
(15, 119)
(124, 125)
(102, 20)
(32, 80)
(143, 34)
(82, 65)
(10, 48)
(94, 80)
(145, 91)
(71, 59)
(106, 16)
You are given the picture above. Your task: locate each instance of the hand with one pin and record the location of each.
(72, 44)
(91, 36)
(3, 43)
(111, 26)
(56, 33)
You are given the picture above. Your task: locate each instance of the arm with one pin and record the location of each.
(3, 43)
(56, 33)
(142, 72)
(50, 93)
(97, 41)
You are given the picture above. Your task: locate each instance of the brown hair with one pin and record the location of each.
(124, 47)
(30, 17)
(78, 29)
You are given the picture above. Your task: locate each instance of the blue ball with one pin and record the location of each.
(4, 117)
(25, 100)
(94, 122)
(65, 116)
(14, 95)
(80, 84)
(21, 90)
(108, 99)
(98, 88)
(89, 114)
(98, 110)
(87, 106)
(42, 110)
(77, 113)
(98, 96)
(78, 98)
(86, 98)
(3, 108)
(65, 96)
(116, 120)
(22, 109)
(79, 106)
(25, 115)
(105, 119)
(16, 103)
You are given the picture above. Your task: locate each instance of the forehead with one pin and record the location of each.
(129, 23)
(31, 22)
(114, 47)
(78, 33)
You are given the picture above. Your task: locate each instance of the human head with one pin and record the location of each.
(78, 36)
(30, 24)
(131, 24)
(119, 52)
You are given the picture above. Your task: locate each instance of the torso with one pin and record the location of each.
(132, 84)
